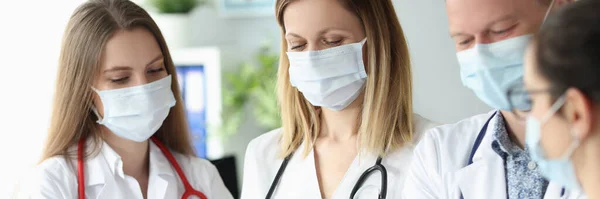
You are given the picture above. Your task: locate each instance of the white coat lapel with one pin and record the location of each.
(300, 178)
(162, 177)
(553, 191)
(110, 191)
(485, 177)
(370, 187)
(98, 176)
(102, 163)
(157, 188)
(109, 188)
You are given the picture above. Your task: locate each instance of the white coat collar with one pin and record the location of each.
(109, 160)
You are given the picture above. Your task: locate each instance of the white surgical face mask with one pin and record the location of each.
(331, 78)
(136, 113)
(560, 170)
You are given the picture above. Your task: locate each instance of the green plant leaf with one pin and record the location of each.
(176, 6)
(254, 86)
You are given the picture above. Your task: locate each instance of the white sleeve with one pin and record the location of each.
(40, 185)
(250, 185)
(217, 187)
(424, 180)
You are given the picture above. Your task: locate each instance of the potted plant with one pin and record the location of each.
(173, 19)
(253, 87)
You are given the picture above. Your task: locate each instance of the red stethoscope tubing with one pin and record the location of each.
(189, 190)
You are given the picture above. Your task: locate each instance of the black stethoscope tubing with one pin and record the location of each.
(361, 180)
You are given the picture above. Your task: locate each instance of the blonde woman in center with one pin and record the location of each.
(344, 87)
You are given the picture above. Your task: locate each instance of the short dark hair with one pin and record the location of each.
(568, 49)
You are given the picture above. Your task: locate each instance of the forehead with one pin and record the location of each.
(472, 15)
(304, 15)
(130, 48)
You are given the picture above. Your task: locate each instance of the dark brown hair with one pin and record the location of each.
(568, 49)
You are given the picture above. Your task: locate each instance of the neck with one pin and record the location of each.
(341, 125)
(135, 155)
(586, 161)
(515, 128)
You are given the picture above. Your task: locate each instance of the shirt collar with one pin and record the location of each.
(502, 144)
(113, 160)
(159, 164)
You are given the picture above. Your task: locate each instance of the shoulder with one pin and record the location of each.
(264, 149)
(55, 169)
(421, 124)
(463, 130)
(266, 143)
(400, 158)
(449, 145)
(52, 178)
(261, 164)
(199, 168)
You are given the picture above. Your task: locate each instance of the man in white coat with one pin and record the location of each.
(483, 156)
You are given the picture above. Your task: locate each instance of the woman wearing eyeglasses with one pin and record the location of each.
(562, 78)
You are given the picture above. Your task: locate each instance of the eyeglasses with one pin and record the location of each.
(519, 99)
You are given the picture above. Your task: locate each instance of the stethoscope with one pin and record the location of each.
(189, 190)
(361, 180)
(478, 142)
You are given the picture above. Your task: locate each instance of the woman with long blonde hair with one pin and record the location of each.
(344, 87)
(118, 128)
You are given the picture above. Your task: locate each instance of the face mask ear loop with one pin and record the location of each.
(574, 145)
(362, 42)
(97, 114)
(559, 103)
(94, 109)
(548, 11)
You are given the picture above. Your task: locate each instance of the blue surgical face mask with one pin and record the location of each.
(559, 170)
(490, 70)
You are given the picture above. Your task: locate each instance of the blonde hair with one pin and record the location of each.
(386, 120)
(90, 27)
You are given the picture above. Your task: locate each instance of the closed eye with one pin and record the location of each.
(465, 42)
(119, 80)
(503, 31)
(156, 70)
(298, 47)
(333, 42)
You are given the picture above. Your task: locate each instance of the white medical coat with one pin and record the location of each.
(104, 177)
(439, 168)
(300, 177)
